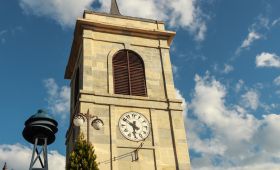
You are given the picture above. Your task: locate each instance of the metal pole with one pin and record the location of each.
(33, 153)
(39, 157)
(46, 154)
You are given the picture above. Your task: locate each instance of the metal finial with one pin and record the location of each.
(5, 166)
(114, 8)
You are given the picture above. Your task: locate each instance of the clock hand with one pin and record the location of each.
(134, 133)
(128, 122)
(132, 124)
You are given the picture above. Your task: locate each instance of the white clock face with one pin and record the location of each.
(134, 126)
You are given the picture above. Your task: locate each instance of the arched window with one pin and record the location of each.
(129, 74)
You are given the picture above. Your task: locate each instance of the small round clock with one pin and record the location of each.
(134, 126)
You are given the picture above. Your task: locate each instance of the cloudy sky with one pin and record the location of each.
(226, 66)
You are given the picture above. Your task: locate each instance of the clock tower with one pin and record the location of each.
(120, 71)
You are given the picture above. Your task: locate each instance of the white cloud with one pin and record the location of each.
(58, 98)
(256, 166)
(269, 133)
(184, 103)
(267, 60)
(209, 106)
(175, 70)
(16, 30)
(227, 68)
(275, 22)
(239, 85)
(18, 156)
(262, 22)
(226, 135)
(4, 34)
(276, 81)
(64, 12)
(250, 99)
(201, 29)
(192, 57)
(177, 13)
(252, 36)
(257, 31)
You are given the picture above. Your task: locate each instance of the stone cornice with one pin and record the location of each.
(82, 24)
(131, 101)
(122, 16)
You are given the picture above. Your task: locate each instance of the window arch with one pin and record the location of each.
(129, 74)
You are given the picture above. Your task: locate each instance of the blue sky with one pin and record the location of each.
(225, 57)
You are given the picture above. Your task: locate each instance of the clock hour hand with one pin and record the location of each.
(134, 133)
(133, 125)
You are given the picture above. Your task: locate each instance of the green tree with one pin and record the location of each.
(82, 157)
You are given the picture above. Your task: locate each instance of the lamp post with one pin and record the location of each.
(40, 130)
(80, 118)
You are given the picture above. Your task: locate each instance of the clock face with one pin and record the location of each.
(134, 126)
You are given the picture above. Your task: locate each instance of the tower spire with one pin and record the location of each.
(114, 8)
(5, 166)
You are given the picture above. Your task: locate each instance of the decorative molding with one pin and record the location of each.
(82, 24)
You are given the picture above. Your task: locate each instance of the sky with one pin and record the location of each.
(226, 62)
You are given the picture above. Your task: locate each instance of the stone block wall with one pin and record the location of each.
(102, 36)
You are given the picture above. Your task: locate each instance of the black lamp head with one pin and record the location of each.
(40, 125)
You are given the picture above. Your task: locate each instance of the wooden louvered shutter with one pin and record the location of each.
(137, 75)
(129, 74)
(121, 77)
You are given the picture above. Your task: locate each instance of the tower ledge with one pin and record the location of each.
(115, 24)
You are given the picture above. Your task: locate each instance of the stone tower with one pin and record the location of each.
(120, 71)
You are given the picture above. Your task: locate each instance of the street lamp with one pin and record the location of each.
(80, 118)
(40, 130)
